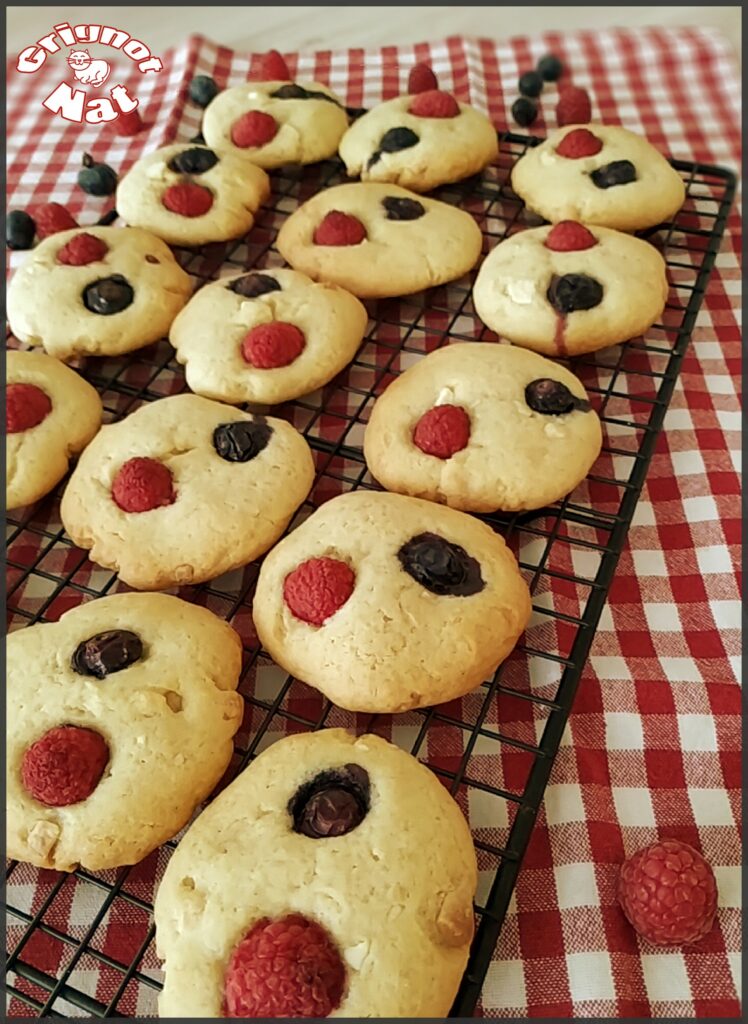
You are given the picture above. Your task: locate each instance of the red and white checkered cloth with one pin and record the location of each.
(653, 745)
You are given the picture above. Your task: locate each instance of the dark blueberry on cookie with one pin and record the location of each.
(108, 652)
(333, 803)
(108, 295)
(399, 208)
(249, 286)
(290, 91)
(202, 90)
(393, 141)
(440, 566)
(619, 172)
(552, 398)
(241, 440)
(193, 161)
(569, 292)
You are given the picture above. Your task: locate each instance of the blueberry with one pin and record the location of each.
(619, 172)
(332, 803)
(199, 139)
(531, 83)
(193, 161)
(550, 67)
(107, 652)
(570, 292)
(393, 141)
(202, 90)
(107, 218)
(249, 286)
(242, 440)
(402, 209)
(552, 398)
(108, 295)
(524, 111)
(19, 230)
(290, 91)
(440, 566)
(96, 179)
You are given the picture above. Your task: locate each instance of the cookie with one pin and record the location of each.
(483, 427)
(352, 600)
(343, 854)
(123, 716)
(569, 289)
(419, 142)
(51, 414)
(96, 292)
(379, 240)
(599, 174)
(190, 195)
(185, 489)
(273, 124)
(266, 336)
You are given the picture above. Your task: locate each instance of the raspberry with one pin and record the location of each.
(253, 129)
(434, 104)
(338, 228)
(421, 79)
(317, 588)
(578, 143)
(289, 967)
(275, 344)
(187, 199)
(130, 123)
(270, 67)
(53, 218)
(82, 249)
(64, 766)
(142, 484)
(668, 893)
(442, 431)
(569, 236)
(574, 106)
(26, 406)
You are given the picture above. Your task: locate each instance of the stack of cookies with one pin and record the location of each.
(301, 890)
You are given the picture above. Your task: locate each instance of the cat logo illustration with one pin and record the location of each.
(87, 70)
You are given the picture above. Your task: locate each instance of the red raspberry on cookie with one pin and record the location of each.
(187, 199)
(318, 588)
(143, 484)
(569, 236)
(253, 129)
(288, 967)
(434, 103)
(26, 406)
(82, 249)
(268, 346)
(442, 431)
(337, 228)
(579, 143)
(64, 766)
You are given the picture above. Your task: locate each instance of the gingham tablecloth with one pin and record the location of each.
(653, 745)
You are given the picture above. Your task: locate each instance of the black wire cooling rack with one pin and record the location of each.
(82, 944)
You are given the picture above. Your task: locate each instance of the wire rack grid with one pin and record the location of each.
(82, 944)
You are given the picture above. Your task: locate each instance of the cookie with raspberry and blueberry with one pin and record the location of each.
(98, 291)
(352, 600)
(379, 240)
(276, 122)
(266, 336)
(192, 195)
(483, 427)
(419, 141)
(51, 414)
(599, 174)
(185, 489)
(123, 717)
(302, 891)
(568, 289)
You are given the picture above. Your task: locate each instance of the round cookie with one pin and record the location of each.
(395, 143)
(185, 489)
(190, 195)
(362, 847)
(569, 289)
(379, 241)
(51, 414)
(266, 336)
(352, 600)
(483, 427)
(610, 176)
(123, 716)
(96, 291)
(273, 124)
